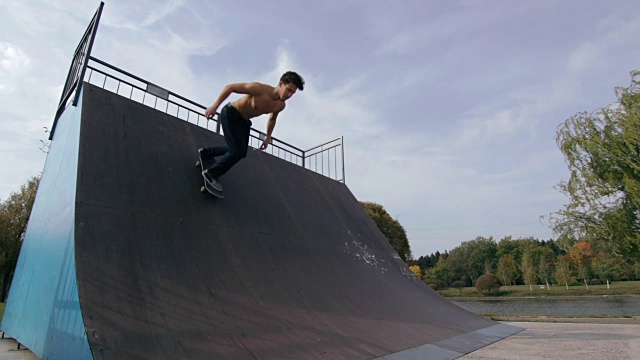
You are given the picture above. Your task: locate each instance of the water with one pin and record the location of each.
(547, 306)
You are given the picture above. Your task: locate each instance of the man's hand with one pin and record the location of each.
(211, 112)
(265, 143)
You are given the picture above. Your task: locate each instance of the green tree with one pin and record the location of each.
(507, 269)
(602, 151)
(608, 267)
(563, 274)
(546, 264)
(14, 215)
(529, 270)
(516, 248)
(470, 259)
(439, 271)
(390, 228)
(510, 246)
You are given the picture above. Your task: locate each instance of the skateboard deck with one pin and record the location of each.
(205, 163)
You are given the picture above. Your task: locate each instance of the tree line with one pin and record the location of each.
(524, 261)
(14, 216)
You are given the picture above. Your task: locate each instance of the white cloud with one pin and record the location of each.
(141, 14)
(13, 60)
(501, 126)
(584, 57)
(318, 114)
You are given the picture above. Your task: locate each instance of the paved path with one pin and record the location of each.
(539, 340)
(9, 350)
(565, 341)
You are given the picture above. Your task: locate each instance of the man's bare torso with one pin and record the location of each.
(250, 106)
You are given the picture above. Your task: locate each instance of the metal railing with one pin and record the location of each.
(326, 159)
(78, 67)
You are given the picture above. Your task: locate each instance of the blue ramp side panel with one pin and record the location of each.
(43, 308)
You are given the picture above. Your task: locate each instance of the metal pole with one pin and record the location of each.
(344, 181)
(88, 53)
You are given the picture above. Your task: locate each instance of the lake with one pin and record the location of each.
(619, 306)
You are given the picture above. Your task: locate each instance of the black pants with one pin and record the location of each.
(236, 134)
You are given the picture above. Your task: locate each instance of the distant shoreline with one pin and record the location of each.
(546, 297)
(635, 320)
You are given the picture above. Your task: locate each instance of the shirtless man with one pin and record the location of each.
(235, 118)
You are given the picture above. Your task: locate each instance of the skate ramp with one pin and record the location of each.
(287, 266)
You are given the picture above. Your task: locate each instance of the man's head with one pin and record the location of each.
(289, 83)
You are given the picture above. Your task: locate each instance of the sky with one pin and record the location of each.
(448, 109)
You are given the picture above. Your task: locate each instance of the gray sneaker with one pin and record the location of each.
(211, 181)
(216, 184)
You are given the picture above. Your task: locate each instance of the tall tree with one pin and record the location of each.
(563, 274)
(602, 151)
(440, 272)
(546, 264)
(581, 254)
(470, 259)
(390, 228)
(516, 248)
(607, 267)
(14, 215)
(507, 269)
(528, 267)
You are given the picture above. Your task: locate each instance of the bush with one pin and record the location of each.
(435, 284)
(487, 282)
(458, 285)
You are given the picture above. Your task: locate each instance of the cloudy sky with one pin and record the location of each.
(448, 108)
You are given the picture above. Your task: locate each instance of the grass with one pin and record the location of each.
(501, 316)
(619, 289)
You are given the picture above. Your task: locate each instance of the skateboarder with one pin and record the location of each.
(235, 118)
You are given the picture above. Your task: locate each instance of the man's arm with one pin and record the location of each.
(253, 88)
(271, 124)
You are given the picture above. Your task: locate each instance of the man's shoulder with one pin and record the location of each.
(265, 87)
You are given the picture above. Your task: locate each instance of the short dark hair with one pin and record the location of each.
(293, 78)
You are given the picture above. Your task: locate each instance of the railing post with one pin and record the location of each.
(344, 180)
(88, 54)
(78, 67)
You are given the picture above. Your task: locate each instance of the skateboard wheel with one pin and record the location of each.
(202, 189)
(197, 163)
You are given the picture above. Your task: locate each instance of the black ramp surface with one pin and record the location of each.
(287, 266)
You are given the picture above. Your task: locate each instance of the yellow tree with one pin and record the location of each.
(581, 254)
(416, 270)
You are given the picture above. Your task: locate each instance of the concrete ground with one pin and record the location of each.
(584, 339)
(578, 340)
(9, 350)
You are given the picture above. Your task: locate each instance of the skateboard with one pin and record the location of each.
(205, 163)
